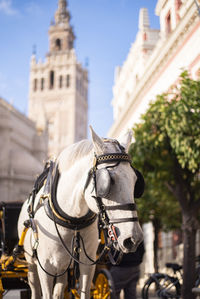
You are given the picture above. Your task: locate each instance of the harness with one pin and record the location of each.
(55, 213)
(50, 177)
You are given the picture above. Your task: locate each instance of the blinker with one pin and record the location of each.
(103, 182)
(139, 185)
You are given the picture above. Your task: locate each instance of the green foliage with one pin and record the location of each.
(169, 135)
(183, 123)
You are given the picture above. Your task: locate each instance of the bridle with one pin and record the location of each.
(105, 222)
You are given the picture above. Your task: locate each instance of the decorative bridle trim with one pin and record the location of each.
(113, 157)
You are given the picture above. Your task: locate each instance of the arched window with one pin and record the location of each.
(51, 80)
(60, 81)
(34, 84)
(58, 44)
(42, 84)
(68, 80)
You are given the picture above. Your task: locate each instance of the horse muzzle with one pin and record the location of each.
(129, 242)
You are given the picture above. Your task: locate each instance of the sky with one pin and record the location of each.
(104, 29)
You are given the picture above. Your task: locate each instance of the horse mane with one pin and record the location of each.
(73, 153)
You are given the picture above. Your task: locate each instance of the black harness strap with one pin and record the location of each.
(120, 220)
(125, 207)
(37, 186)
(60, 217)
(77, 255)
(70, 222)
(104, 217)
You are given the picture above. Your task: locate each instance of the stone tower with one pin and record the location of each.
(59, 87)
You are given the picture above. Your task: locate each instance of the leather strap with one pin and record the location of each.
(70, 222)
(120, 220)
(112, 157)
(125, 207)
(52, 206)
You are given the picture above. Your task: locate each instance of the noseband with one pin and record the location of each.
(104, 219)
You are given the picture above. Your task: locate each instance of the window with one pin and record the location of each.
(68, 80)
(35, 85)
(168, 23)
(51, 80)
(60, 81)
(42, 84)
(58, 44)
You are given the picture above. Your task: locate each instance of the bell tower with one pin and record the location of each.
(58, 89)
(61, 36)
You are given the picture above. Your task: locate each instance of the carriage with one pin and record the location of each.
(57, 225)
(14, 269)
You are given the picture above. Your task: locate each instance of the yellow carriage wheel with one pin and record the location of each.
(104, 286)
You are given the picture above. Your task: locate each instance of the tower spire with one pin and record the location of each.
(61, 35)
(62, 15)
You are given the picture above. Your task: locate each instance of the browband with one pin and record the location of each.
(111, 158)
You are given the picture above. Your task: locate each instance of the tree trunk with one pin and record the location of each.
(189, 241)
(157, 227)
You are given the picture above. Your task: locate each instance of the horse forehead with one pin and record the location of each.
(125, 173)
(111, 147)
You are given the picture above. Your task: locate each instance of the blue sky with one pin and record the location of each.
(104, 29)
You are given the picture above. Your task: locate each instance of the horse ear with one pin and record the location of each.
(125, 141)
(97, 142)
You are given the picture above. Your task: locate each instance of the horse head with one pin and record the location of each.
(112, 189)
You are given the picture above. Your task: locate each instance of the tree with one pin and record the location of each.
(167, 150)
(163, 211)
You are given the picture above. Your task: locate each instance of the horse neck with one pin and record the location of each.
(70, 192)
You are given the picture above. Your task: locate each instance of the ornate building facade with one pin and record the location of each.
(153, 65)
(59, 87)
(155, 60)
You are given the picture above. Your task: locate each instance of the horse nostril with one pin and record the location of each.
(128, 243)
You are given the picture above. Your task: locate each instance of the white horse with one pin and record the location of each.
(75, 196)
